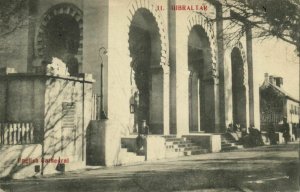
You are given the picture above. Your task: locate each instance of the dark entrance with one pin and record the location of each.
(201, 102)
(62, 36)
(147, 76)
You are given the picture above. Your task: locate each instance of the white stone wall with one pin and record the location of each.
(59, 90)
(292, 118)
(242, 46)
(185, 20)
(119, 70)
(106, 24)
(228, 79)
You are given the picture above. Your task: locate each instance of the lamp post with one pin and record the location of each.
(102, 51)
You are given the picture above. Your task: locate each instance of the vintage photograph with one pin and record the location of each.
(149, 95)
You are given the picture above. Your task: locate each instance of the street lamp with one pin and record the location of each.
(102, 51)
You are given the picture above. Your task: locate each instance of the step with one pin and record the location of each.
(228, 140)
(123, 150)
(131, 158)
(185, 144)
(169, 136)
(182, 145)
(173, 154)
(177, 140)
(172, 139)
(176, 147)
(200, 151)
(228, 145)
(234, 147)
(229, 148)
(187, 153)
(195, 152)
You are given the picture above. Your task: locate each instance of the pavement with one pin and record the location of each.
(267, 168)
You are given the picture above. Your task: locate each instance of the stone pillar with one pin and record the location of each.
(172, 64)
(166, 100)
(220, 44)
(182, 103)
(246, 85)
(247, 107)
(194, 102)
(159, 106)
(156, 102)
(216, 105)
(250, 74)
(211, 104)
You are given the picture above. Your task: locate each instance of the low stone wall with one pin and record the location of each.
(129, 142)
(212, 142)
(19, 161)
(104, 143)
(155, 147)
(23, 161)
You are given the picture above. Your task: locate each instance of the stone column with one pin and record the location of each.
(247, 93)
(217, 105)
(212, 104)
(221, 67)
(182, 103)
(166, 100)
(250, 74)
(159, 106)
(194, 102)
(247, 107)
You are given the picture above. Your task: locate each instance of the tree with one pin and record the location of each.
(13, 15)
(268, 18)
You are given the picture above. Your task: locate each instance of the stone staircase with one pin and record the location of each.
(128, 155)
(228, 142)
(177, 147)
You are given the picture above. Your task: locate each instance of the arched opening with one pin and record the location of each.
(201, 103)
(238, 88)
(147, 77)
(62, 37)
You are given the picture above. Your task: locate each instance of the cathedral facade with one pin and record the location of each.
(168, 62)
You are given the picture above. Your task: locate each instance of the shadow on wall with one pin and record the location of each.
(58, 145)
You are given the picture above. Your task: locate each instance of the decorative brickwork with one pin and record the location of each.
(146, 4)
(197, 19)
(60, 9)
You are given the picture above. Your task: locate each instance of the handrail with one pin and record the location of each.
(16, 133)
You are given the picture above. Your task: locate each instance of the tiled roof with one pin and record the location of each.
(279, 90)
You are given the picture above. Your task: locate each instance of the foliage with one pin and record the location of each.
(13, 15)
(268, 18)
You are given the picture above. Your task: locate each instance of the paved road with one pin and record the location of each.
(268, 168)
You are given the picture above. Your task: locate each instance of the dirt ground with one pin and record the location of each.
(267, 168)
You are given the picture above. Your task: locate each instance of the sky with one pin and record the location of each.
(278, 58)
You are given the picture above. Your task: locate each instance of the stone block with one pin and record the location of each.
(129, 142)
(104, 142)
(212, 142)
(19, 161)
(155, 148)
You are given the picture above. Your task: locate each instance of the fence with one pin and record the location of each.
(16, 133)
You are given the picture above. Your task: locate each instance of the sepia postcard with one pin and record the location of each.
(149, 95)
